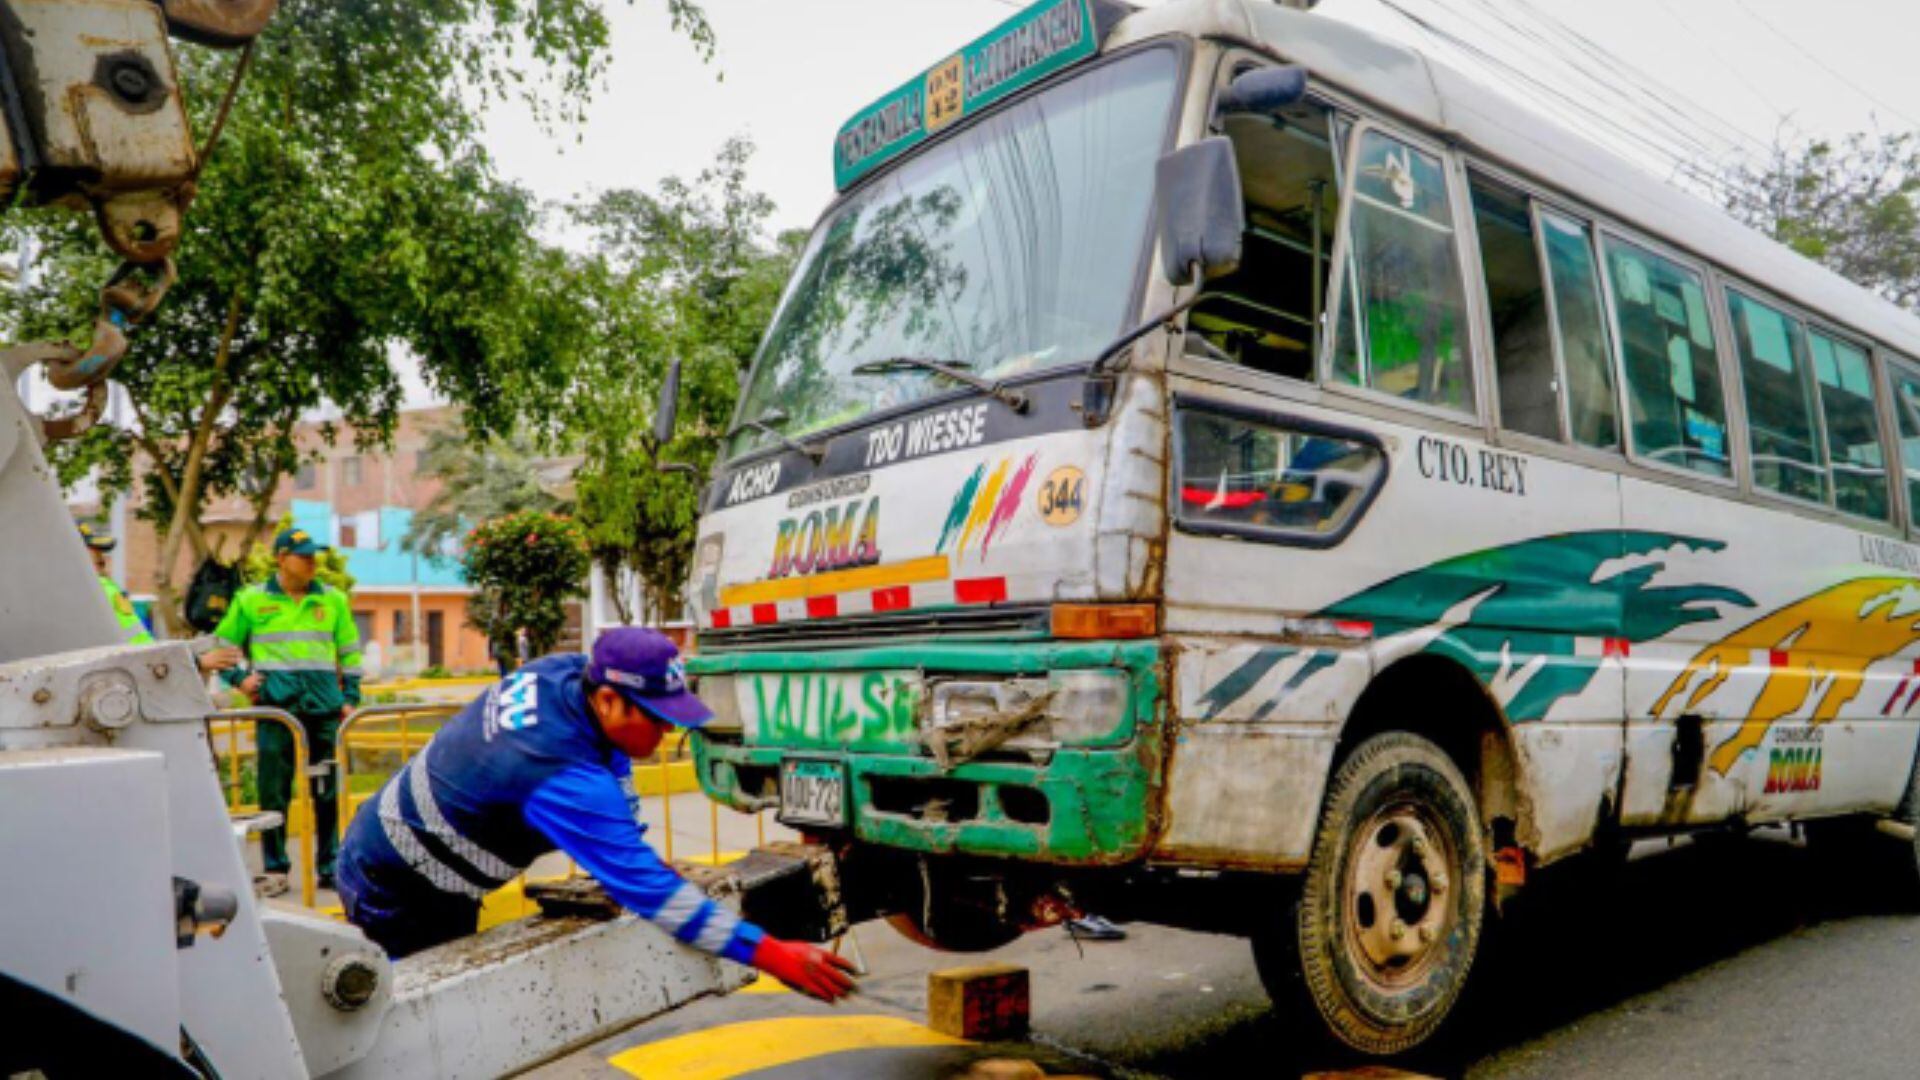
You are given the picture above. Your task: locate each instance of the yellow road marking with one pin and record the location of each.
(764, 984)
(910, 572)
(708, 859)
(736, 1049)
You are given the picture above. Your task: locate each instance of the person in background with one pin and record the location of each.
(303, 656)
(543, 761)
(99, 547)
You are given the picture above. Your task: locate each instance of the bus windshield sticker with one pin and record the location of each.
(1036, 42)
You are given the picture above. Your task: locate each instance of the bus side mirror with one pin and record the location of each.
(1264, 91)
(1200, 212)
(664, 415)
(668, 410)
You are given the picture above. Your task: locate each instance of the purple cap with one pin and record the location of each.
(644, 665)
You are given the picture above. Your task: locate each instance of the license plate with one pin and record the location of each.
(813, 792)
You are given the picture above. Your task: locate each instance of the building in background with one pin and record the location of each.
(411, 609)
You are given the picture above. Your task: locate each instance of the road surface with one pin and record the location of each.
(1737, 958)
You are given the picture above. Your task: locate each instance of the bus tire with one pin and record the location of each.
(1392, 903)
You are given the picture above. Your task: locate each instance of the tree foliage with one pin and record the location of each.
(1852, 205)
(348, 211)
(526, 566)
(481, 478)
(682, 273)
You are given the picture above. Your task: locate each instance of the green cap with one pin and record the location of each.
(296, 542)
(98, 541)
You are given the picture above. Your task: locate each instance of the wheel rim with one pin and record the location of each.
(1401, 873)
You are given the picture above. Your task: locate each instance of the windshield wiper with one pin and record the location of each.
(954, 372)
(768, 423)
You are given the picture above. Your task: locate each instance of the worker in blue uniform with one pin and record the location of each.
(542, 761)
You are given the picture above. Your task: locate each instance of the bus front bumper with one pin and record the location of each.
(1067, 794)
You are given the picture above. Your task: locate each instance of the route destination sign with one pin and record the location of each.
(1028, 47)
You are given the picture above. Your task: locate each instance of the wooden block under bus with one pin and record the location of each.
(988, 1003)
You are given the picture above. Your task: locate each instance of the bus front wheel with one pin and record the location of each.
(1391, 905)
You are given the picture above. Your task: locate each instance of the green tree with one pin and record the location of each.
(1852, 205)
(681, 273)
(347, 211)
(481, 477)
(525, 566)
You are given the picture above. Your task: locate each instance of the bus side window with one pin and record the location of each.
(1784, 437)
(1266, 313)
(1859, 469)
(1266, 479)
(1676, 412)
(1517, 302)
(1574, 274)
(1403, 284)
(1906, 414)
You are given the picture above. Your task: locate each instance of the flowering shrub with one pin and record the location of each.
(526, 566)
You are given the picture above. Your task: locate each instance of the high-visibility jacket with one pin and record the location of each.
(524, 769)
(308, 649)
(130, 623)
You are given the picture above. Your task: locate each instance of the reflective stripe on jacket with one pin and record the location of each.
(308, 649)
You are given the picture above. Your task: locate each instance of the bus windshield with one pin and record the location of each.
(1011, 247)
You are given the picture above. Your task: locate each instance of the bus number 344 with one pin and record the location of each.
(1060, 496)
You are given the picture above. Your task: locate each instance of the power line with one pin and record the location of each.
(1680, 162)
(1639, 79)
(1707, 41)
(1822, 64)
(1692, 138)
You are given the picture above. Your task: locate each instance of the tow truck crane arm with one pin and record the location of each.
(93, 118)
(130, 920)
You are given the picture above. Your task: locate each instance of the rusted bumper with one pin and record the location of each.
(1084, 805)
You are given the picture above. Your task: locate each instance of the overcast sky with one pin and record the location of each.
(789, 72)
(1708, 78)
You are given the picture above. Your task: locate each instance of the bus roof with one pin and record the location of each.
(1416, 88)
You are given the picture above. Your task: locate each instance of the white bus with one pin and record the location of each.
(1216, 466)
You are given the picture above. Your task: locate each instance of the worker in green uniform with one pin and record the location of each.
(99, 545)
(303, 656)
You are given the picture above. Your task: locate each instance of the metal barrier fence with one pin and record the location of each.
(302, 803)
(405, 715)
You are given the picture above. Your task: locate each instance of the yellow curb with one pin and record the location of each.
(732, 1050)
(764, 983)
(709, 860)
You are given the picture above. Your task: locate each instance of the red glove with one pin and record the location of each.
(807, 968)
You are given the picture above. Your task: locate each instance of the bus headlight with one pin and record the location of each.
(1079, 706)
(1087, 706)
(717, 693)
